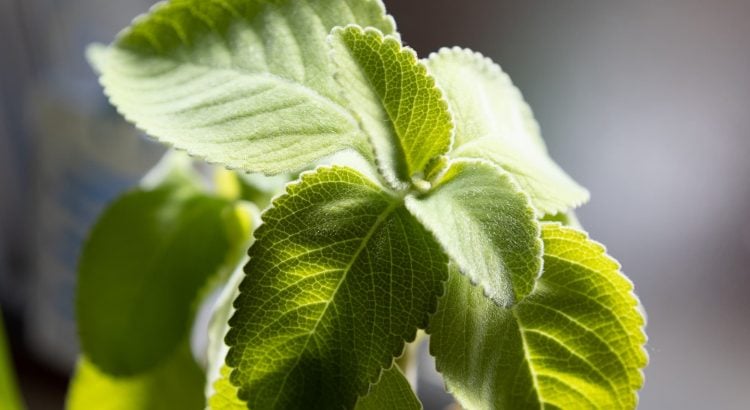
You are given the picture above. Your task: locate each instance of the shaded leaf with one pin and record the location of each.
(392, 392)
(340, 276)
(143, 268)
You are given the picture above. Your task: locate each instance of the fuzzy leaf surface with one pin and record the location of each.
(575, 342)
(248, 84)
(398, 104)
(143, 268)
(495, 123)
(339, 277)
(487, 226)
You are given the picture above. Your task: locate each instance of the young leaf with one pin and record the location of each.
(9, 395)
(142, 269)
(575, 342)
(495, 123)
(174, 384)
(400, 107)
(486, 225)
(248, 84)
(340, 276)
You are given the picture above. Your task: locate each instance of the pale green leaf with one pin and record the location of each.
(575, 342)
(9, 395)
(398, 104)
(486, 225)
(495, 123)
(340, 276)
(248, 84)
(142, 270)
(565, 218)
(174, 384)
(393, 392)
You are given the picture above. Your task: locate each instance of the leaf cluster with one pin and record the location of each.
(424, 198)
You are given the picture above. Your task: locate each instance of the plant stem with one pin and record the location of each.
(9, 395)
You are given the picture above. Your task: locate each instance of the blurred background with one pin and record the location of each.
(645, 102)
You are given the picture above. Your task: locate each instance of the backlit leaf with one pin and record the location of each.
(400, 107)
(174, 384)
(495, 123)
(575, 342)
(340, 276)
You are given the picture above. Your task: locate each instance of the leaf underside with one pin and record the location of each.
(340, 276)
(575, 342)
(493, 122)
(248, 84)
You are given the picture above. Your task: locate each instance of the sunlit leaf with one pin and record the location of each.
(495, 123)
(487, 226)
(174, 384)
(575, 342)
(247, 84)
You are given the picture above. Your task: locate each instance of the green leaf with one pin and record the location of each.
(340, 276)
(495, 123)
(486, 225)
(220, 392)
(224, 395)
(248, 84)
(568, 219)
(575, 342)
(392, 392)
(398, 104)
(175, 384)
(143, 268)
(9, 395)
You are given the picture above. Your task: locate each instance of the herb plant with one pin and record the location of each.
(424, 199)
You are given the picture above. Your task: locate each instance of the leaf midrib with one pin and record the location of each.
(345, 272)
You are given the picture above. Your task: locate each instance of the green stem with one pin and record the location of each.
(9, 395)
